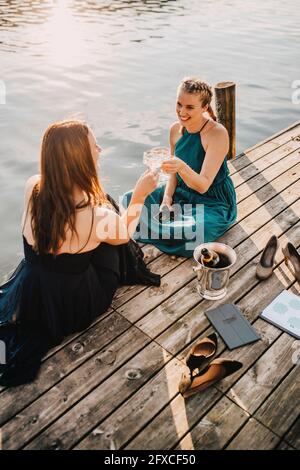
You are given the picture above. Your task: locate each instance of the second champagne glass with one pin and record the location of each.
(153, 158)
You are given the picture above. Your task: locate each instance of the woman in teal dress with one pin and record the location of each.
(199, 193)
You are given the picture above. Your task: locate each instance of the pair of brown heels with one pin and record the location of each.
(265, 267)
(196, 380)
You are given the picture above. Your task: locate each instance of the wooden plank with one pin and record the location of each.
(127, 420)
(267, 380)
(254, 436)
(267, 192)
(277, 214)
(247, 158)
(173, 421)
(290, 132)
(103, 400)
(265, 162)
(69, 339)
(43, 411)
(284, 446)
(282, 407)
(153, 296)
(249, 354)
(267, 176)
(151, 253)
(259, 381)
(254, 153)
(62, 363)
(293, 435)
(216, 428)
(266, 212)
(242, 160)
(283, 207)
(162, 265)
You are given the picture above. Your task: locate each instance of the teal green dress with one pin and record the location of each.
(198, 217)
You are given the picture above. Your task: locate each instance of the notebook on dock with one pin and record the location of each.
(284, 312)
(232, 326)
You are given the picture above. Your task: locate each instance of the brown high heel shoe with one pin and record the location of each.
(292, 260)
(265, 266)
(214, 372)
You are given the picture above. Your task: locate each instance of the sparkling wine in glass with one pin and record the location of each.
(153, 158)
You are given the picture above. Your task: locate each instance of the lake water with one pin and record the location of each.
(117, 64)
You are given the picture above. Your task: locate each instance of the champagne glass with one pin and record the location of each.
(153, 158)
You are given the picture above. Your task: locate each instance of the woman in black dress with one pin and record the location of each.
(77, 251)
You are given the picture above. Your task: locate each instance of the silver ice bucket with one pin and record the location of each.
(213, 282)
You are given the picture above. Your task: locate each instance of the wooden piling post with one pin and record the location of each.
(225, 110)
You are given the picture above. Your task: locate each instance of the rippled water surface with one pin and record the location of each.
(117, 64)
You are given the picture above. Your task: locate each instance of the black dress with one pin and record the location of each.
(54, 296)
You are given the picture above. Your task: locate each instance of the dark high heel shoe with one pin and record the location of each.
(264, 268)
(201, 352)
(292, 260)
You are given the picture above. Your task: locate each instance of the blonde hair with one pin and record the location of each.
(196, 86)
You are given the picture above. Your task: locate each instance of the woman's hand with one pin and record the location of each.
(167, 201)
(146, 183)
(173, 165)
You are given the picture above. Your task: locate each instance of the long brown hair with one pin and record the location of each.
(66, 162)
(195, 85)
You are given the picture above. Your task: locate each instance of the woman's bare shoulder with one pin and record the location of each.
(175, 133)
(30, 184)
(216, 132)
(217, 129)
(175, 128)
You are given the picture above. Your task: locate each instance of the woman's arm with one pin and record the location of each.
(118, 229)
(169, 191)
(30, 184)
(172, 182)
(217, 150)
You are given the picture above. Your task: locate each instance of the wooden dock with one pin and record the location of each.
(114, 386)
